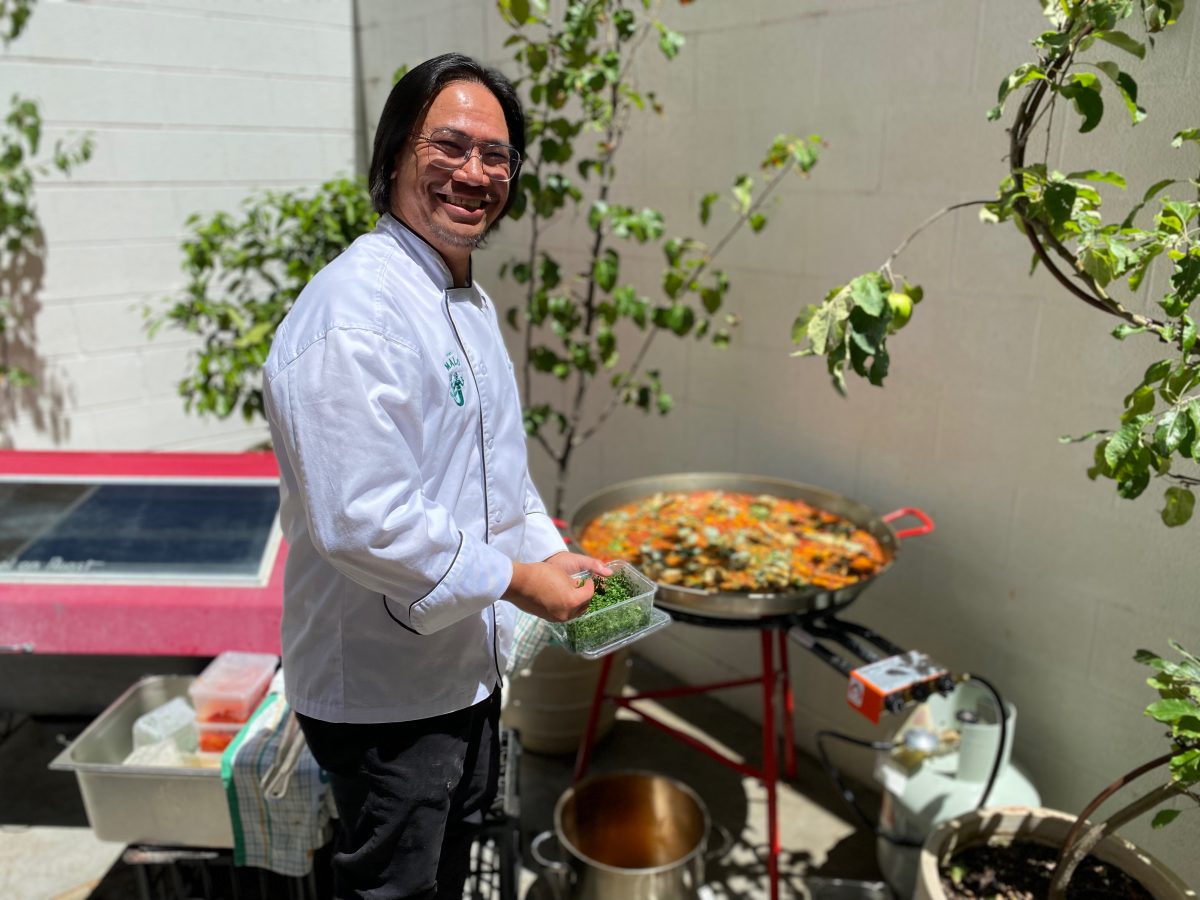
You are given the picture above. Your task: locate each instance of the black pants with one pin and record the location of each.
(408, 795)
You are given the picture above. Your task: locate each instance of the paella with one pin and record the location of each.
(735, 542)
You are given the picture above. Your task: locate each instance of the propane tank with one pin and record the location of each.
(942, 759)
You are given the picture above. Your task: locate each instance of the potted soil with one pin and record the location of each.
(1011, 851)
(1043, 854)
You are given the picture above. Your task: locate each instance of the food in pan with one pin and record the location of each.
(726, 541)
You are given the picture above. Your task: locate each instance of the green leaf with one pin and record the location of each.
(867, 294)
(1138, 403)
(1161, 13)
(625, 22)
(1149, 195)
(680, 319)
(800, 325)
(1124, 41)
(1094, 175)
(673, 283)
(706, 203)
(597, 214)
(1127, 88)
(1060, 200)
(819, 328)
(1124, 330)
(1121, 443)
(757, 222)
(1193, 409)
(1168, 711)
(743, 192)
(669, 42)
(1180, 502)
(1157, 372)
(1171, 430)
(1131, 486)
(1189, 134)
(1084, 92)
(1150, 658)
(879, 367)
(1188, 338)
(1163, 818)
(1020, 76)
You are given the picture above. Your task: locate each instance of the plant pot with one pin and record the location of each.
(1043, 826)
(548, 701)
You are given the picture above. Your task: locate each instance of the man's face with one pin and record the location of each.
(451, 209)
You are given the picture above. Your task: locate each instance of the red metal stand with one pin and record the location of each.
(773, 678)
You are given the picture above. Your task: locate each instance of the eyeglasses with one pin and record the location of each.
(453, 150)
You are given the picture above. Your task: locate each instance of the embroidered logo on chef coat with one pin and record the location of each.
(452, 366)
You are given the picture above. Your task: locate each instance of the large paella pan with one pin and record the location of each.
(725, 603)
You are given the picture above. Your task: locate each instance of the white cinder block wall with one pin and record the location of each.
(1036, 578)
(192, 106)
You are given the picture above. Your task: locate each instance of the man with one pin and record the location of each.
(405, 494)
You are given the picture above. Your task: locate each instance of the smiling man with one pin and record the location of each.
(412, 524)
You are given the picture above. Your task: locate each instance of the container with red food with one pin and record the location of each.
(226, 693)
(214, 737)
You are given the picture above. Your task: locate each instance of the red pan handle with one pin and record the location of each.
(925, 527)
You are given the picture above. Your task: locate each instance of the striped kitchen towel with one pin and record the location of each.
(278, 796)
(530, 635)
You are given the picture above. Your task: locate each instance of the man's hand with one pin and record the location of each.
(548, 590)
(571, 563)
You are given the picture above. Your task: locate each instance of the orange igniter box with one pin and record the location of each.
(887, 685)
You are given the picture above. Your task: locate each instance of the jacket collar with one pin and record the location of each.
(430, 260)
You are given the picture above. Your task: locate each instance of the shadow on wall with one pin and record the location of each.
(36, 393)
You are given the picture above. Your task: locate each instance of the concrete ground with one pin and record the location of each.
(47, 852)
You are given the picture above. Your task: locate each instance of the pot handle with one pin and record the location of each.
(925, 527)
(559, 872)
(713, 853)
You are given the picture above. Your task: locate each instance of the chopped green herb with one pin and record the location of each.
(591, 631)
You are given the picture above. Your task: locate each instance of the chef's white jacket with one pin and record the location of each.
(404, 486)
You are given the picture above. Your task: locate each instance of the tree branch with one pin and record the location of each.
(887, 263)
(1081, 820)
(1073, 854)
(742, 219)
(1038, 234)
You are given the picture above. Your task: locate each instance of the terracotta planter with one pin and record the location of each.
(1043, 826)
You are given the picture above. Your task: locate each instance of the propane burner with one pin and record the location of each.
(888, 679)
(952, 755)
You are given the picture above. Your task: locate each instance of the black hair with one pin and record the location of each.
(412, 96)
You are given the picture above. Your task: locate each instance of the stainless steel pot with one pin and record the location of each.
(731, 605)
(627, 836)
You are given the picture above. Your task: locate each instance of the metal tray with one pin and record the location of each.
(145, 804)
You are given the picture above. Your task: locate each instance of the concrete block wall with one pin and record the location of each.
(1036, 578)
(192, 106)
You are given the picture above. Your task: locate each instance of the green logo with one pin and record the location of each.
(452, 365)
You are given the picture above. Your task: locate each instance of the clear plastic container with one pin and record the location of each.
(605, 630)
(232, 686)
(174, 721)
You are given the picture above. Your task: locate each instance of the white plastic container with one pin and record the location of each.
(232, 686)
(173, 721)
